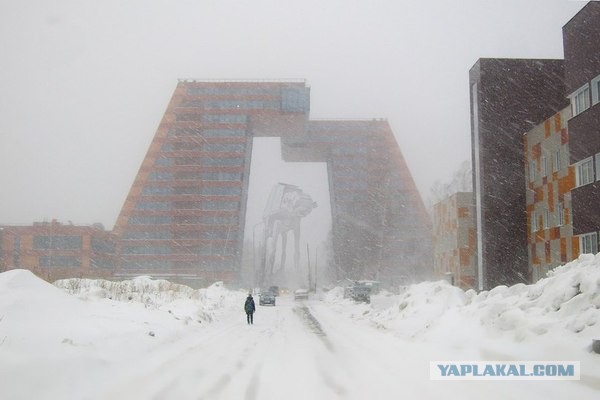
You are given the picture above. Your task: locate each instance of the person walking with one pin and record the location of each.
(249, 307)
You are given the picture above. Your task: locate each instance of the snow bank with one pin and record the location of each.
(185, 303)
(566, 304)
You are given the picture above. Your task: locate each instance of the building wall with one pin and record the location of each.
(454, 239)
(185, 213)
(505, 102)
(550, 179)
(56, 251)
(581, 40)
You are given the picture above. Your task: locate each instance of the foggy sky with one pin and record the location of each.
(84, 84)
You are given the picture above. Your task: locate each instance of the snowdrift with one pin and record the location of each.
(564, 304)
(185, 303)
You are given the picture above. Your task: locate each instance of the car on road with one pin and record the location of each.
(266, 298)
(361, 293)
(301, 294)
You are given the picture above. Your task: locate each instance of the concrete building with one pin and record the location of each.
(550, 179)
(185, 213)
(54, 251)
(454, 239)
(581, 41)
(508, 97)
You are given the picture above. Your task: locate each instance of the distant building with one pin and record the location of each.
(184, 217)
(550, 180)
(54, 251)
(508, 97)
(581, 40)
(454, 239)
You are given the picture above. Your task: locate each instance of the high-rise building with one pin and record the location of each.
(185, 213)
(581, 41)
(508, 97)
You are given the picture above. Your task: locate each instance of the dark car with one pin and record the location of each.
(266, 298)
(361, 293)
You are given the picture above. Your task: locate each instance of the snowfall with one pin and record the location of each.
(152, 339)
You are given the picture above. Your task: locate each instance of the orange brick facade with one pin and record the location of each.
(56, 251)
(454, 239)
(550, 180)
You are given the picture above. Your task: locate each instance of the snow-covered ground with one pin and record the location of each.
(148, 339)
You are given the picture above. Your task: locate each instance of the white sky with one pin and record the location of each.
(84, 83)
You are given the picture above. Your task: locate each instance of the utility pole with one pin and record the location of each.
(316, 253)
(308, 259)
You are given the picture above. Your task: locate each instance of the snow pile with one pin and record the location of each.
(564, 304)
(180, 300)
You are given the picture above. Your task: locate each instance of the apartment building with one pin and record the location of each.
(549, 181)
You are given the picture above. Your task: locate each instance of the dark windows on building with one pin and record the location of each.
(580, 99)
(588, 243)
(225, 147)
(295, 100)
(151, 235)
(150, 220)
(584, 172)
(103, 245)
(57, 242)
(225, 118)
(596, 90)
(60, 261)
(221, 176)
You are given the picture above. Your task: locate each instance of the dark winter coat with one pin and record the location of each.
(249, 305)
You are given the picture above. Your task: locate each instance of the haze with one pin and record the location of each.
(85, 83)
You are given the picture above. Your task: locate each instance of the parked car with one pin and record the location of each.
(266, 298)
(361, 293)
(301, 294)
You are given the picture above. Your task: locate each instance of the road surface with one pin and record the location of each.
(300, 350)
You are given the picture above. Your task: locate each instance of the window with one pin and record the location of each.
(532, 171)
(596, 90)
(221, 176)
(534, 221)
(57, 242)
(220, 205)
(223, 132)
(584, 172)
(295, 99)
(588, 243)
(60, 261)
(561, 214)
(229, 147)
(597, 163)
(228, 161)
(146, 250)
(556, 161)
(160, 176)
(580, 100)
(151, 220)
(103, 245)
(544, 165)
(226, 118)
(221, 191)
(151, 235)
(546, 219)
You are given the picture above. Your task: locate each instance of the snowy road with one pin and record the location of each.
(303, 350)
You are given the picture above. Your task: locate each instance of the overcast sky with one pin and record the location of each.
(84, 83)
